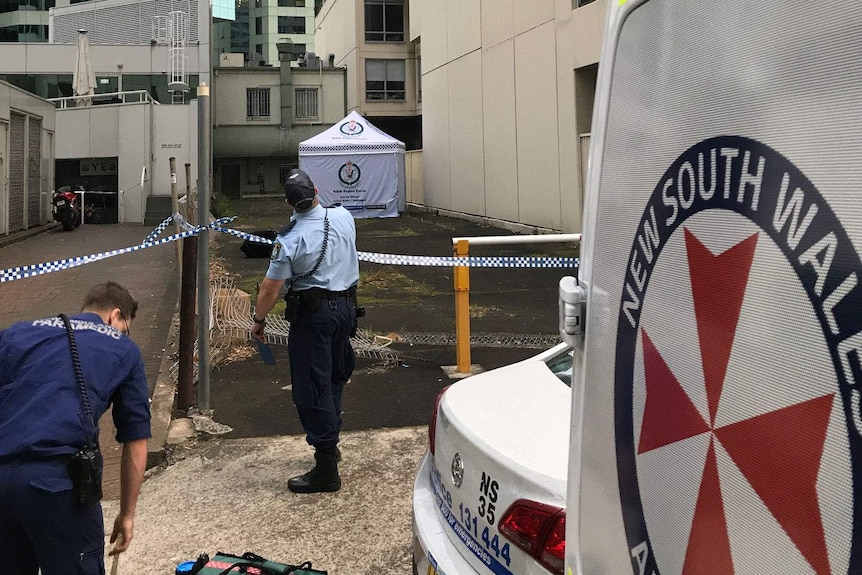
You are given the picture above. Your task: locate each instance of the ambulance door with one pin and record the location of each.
(718, 430)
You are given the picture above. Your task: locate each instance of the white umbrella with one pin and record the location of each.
(83, 80)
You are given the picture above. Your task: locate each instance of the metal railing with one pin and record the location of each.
(461, 248)
(129, 97)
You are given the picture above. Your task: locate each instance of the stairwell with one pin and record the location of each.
(158, 208)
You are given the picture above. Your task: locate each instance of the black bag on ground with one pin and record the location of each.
(257, 249)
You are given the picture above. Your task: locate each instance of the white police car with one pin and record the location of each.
(490, 493)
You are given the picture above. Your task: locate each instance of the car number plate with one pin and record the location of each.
(474, 534)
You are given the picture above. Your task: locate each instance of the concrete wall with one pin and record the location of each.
(256, 151)
(580, 34)
(19, 101)
(235, 136)
(175, 133)
(414, 179)
(229, 100)
(501, 113)
(107, 60)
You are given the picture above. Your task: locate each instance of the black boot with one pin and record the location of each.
(323, 478)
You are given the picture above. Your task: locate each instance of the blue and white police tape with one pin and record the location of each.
(184, 225)
(432, 261)
(21, 272)
(470, 261)
(159, 229)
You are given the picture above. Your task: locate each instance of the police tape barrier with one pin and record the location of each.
(433, 261)
(21, 272)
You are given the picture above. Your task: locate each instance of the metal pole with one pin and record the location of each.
(185, 380)
(203, 247)
(189, 201)
(462, 309)
(175, 207)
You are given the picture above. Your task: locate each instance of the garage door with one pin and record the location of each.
(16, 173)
(34, 169)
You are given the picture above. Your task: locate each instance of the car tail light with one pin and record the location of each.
(432, 427)
(538, 529)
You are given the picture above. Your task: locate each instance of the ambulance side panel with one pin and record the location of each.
(719, 429)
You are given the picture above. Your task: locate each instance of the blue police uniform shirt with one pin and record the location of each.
(296, 251)
(40, 404)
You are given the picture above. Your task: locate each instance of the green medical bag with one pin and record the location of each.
(227, 564)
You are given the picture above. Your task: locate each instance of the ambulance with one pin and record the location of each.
(716, 321)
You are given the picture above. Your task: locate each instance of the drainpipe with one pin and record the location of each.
(344, 77)
(285, 51)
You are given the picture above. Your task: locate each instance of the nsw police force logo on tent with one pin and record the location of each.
(351, 128)
(349, 174)
(740, 272)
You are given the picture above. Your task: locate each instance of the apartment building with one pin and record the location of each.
(261, 114)
(261, 25)
(24, 20)
(370, 39)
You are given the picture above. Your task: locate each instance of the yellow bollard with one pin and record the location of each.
(462, 309)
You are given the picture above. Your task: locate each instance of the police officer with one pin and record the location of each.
(43, 424)
(316, 254)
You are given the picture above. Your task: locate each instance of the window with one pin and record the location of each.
(292, 3)
(257, 103)
(24, 33)
(306, 104)
(258, 25)
(291, 25)
(579, 3)
(258, 49)
(384, 80)
(22, 5)
(384, 20)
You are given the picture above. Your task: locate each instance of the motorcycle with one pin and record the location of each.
(65, 208)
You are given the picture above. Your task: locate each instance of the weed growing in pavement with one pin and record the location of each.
(386, 286)
(477, 311)
(220, 206)
(404, 233)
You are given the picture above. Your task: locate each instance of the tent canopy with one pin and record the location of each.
(356, 165)
(352, 134)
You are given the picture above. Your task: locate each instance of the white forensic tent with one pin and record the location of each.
(355, 164)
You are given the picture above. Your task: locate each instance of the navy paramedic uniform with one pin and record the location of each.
(42, 423)
(321, 357)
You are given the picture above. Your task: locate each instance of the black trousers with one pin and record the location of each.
(41, 527)
(321, 362)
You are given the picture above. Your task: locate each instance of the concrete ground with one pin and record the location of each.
(229, 492)
(230, 495)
